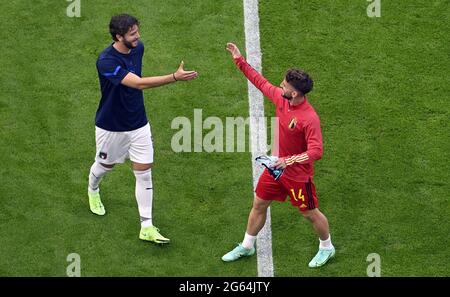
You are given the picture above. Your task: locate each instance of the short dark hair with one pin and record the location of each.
(300, 80)
(121, 24)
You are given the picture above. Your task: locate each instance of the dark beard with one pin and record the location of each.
(129, 45)
(286, 96)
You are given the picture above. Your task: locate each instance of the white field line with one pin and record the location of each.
(258, 132)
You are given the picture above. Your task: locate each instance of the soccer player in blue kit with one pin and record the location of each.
(122, 130)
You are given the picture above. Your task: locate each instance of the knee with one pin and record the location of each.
(260, 205)
(142, 167)
(314, 215)
(310, 215)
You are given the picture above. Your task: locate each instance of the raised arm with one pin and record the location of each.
(270, 91)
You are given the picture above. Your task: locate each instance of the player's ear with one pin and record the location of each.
(119, 37)
(298, 93)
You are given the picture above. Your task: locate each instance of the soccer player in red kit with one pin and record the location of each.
(300, 144)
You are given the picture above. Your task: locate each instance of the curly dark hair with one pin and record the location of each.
(300, 80)
(121, 24)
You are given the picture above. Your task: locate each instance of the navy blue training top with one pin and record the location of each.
(121, 108)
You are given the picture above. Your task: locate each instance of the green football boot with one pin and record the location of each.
(95, 204)
(237, 253)
(322, 257)
(152, 234)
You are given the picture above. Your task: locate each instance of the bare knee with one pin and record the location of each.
(142, 167)
(260, 205)
(312, 215)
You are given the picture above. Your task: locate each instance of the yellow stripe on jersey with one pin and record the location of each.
(297, 159)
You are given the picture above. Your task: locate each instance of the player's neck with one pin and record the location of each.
(297, 100)
(121, 48)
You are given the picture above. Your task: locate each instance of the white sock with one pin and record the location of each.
(326, 244)
(95, 176)
(249, 241)
(144, 196)
(146, 222)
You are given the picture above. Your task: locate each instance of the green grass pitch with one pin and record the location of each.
(382, 92)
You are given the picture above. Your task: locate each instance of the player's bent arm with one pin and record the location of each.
(314, 150)
(306, 157)
(311, 155)
(133, 81)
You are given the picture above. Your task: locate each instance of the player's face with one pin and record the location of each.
(288, 90)
(131, 39)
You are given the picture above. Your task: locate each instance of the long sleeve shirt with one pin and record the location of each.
(299, 133)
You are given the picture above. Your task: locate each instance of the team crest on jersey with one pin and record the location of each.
(292, 123)
(103, 155)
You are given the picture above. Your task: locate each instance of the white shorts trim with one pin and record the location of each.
(116, 147)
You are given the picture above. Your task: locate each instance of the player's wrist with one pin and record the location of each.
(174, 77)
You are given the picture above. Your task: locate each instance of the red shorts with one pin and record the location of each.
(303, 195)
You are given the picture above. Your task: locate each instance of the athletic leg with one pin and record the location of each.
(96, 173)
(320, 225)
(256, 221)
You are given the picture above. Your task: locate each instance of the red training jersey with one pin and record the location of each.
(299, 133)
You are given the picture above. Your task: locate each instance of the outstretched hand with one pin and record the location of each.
(234, 50)
(182, 74)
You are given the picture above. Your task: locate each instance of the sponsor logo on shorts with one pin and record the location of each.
(103, 155)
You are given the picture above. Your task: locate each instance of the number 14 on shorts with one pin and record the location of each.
(299, 196)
